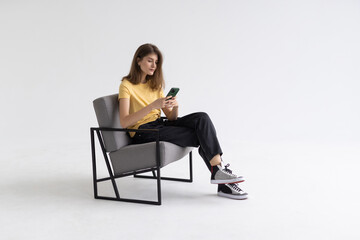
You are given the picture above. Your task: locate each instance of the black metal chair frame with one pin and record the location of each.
(155, 170)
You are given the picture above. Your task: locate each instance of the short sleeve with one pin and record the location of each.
(123, 91)
(162, 93)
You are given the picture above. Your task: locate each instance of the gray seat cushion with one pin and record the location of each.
(142, 156)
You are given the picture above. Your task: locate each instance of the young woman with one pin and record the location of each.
(140, 99)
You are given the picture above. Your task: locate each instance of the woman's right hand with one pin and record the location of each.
(159, 103)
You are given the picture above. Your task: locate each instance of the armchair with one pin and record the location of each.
(124, 159)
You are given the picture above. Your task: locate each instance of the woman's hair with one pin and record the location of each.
(156, 81)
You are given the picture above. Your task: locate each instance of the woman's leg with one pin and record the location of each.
(209, 149)
(216, 160)
(189, 131)
(182, 133)
(181, 136)
(192, 130)
(205, 132)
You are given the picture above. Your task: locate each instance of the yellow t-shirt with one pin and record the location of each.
(140, 96)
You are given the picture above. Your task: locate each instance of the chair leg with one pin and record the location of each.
(93, 156)
(158, 180)
(112, 177)
(108, 166)
(191, 167)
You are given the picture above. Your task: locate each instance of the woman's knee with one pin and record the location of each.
(202, 115)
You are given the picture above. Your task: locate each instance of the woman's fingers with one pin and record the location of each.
(169, 102)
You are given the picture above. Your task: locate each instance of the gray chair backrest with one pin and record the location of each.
(107, 114)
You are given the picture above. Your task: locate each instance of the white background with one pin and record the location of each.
(280, 79)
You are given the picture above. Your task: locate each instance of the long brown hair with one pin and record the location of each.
(156, 81)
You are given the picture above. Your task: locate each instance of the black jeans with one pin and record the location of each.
(193, 130)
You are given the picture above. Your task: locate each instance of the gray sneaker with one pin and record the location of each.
(232, 191)
(221, 175)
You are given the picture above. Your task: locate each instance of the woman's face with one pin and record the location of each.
(148, 64)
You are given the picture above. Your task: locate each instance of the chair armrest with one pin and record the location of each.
(122, 129)
(99, 129)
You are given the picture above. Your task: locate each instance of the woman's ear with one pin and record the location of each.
(138, 59)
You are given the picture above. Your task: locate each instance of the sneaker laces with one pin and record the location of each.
(227, 169)
(235, 187)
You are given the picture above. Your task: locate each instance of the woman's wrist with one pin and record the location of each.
(174, 112)
(151, 106)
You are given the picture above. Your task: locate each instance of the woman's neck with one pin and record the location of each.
(143, 78)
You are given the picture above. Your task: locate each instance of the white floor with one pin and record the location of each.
(297, 191)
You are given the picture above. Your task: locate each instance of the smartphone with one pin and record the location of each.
(173, 92)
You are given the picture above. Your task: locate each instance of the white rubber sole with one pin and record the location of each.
(226, 181)
(232, 196)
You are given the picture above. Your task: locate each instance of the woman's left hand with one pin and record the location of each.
(171, 103)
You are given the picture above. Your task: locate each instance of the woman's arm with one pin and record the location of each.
(171, 109)
(127, 120)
